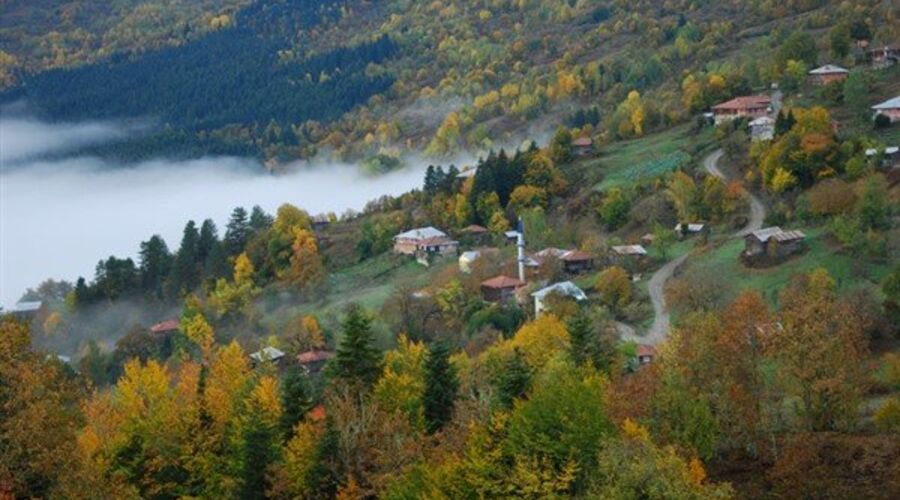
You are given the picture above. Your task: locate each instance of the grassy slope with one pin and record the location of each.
(850, 272)
(623, 163)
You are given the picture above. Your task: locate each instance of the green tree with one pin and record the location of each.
(873, 208)
(441, 386)
(856, 95)
(561, 146)
(839, 38)
(615, 207)
(185, 274)
(514, 379)
(357, 361)
(237, 232)
(156, 262)
(295, 401)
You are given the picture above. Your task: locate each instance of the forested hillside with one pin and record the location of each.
(456, 75)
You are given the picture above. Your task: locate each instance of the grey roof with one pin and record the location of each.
(777, 234)
(421, 234)
(267, 354)
(828, 69)
(31, 306)
(692, 228)
(630, 250)
(564, 287)
(889, 104)
(511, 234)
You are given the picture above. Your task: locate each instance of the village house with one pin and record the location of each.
(501, 289)
(886, 56)
(467, 172)
(750, 107)
(773, 242)
(890, 156)
(425, 244)
(267, 354)
(165, 327)
(475, 233)
(645, 354)
(314, 360)
(762, 129)
(830, 73)
(565, 289)
(583, 146)
(26, 310)
(576, 261)
(889, 108)
(647, 239)
(320, 222)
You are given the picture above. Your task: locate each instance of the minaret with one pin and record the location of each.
(520, 242)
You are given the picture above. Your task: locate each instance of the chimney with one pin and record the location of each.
(520, 243)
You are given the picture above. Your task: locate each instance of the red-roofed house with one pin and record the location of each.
(751, 107)
(317, 414)
(645, 353)
(313, 360)
(165, 327)
(501, 288)
(583, 146)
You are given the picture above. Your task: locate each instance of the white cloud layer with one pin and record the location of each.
(58, 218)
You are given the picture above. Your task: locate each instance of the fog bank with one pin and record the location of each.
(59, 218)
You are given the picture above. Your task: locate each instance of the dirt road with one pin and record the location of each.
(657, 332)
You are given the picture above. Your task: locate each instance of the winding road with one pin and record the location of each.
(660, 328)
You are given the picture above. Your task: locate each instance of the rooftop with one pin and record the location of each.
(583, 142)
(630, 250)
(646, 350)
(777, 234)
(29, 306)
(745, 102)
(503, 282)
(475, 229)
(828, 69)
(314, 356)
(566, 288)
(421, 234)
(166, 326)
(576, 256)
(893, 103)
(267, 354)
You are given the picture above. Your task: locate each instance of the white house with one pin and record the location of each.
(889, 108)
(762, 129)
(564, 288)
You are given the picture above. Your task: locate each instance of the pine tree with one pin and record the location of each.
(294, 399)
(514, 380)
(441, 386)
(156, 262)
(259, 219)
(185, 274)
(209, 238)
(237, 232)
(580, 333)
(357, 361)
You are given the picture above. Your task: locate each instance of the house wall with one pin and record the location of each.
(724, 116)
(405, 246)
(893, 114)
(830, 78)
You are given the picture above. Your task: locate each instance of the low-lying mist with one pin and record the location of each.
(58, 218)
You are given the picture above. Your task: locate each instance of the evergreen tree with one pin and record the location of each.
(357, 360)
(259, 450)
(209, 238)
(237, 232)
(82, 295)
(156, 262)
(580, 333)
(431, 184)
(185, 274)
(294, 399)
(441, 386)
(514, 379)
(259, 219)
(216, 264)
